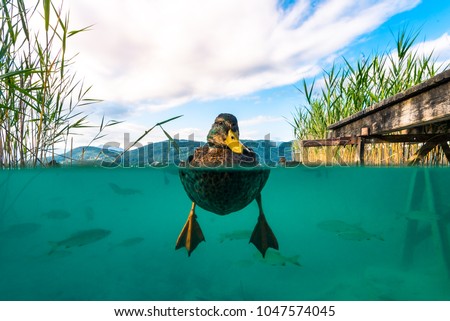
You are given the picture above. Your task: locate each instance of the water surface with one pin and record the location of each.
(342, 235)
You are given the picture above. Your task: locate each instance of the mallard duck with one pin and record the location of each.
(222, 177)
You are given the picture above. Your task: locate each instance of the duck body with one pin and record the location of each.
(223, 177)
(223, 191)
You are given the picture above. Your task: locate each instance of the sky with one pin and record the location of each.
(150, 60)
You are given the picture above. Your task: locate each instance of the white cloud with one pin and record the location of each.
(440, 48)
(192, 133)
(158, 54)
(260, 119)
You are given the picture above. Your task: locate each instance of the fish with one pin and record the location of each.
(80, 238)
(275, 258)
(235, 235)
(346, 231)
(123, 191)
(20, 230)
(56, 214)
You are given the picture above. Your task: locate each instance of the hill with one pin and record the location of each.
(159, 153)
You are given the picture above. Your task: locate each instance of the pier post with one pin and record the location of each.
(421, 198)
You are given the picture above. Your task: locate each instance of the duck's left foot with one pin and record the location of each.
(262, 236)
(191, 235)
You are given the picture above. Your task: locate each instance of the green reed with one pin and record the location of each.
(351, 87)
(39, 95)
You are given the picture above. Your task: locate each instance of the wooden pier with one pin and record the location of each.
(420, 115)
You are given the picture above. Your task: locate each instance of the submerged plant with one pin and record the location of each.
(39, 96)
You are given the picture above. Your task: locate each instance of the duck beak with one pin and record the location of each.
(233, 142)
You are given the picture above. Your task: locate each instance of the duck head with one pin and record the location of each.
(225, 132)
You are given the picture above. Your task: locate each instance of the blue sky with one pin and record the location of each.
(154, 59)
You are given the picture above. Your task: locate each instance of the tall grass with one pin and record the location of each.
(39, 95)
(351, 87)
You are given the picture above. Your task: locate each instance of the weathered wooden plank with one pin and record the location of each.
(341, 141)
(426, 103)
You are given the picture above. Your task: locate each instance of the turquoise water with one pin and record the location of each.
(342, 235)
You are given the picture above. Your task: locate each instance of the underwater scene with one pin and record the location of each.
(344, 233)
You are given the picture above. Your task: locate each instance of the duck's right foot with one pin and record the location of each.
(262, 236)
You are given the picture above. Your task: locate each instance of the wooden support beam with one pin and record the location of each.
(360, 151)
(409, 138)
(446, 150)
(438, 226)
(421, 153)
(421, 197)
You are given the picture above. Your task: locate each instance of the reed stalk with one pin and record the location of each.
(39, 96)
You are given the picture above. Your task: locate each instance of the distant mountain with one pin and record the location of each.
(164, 152)
(83, 153)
